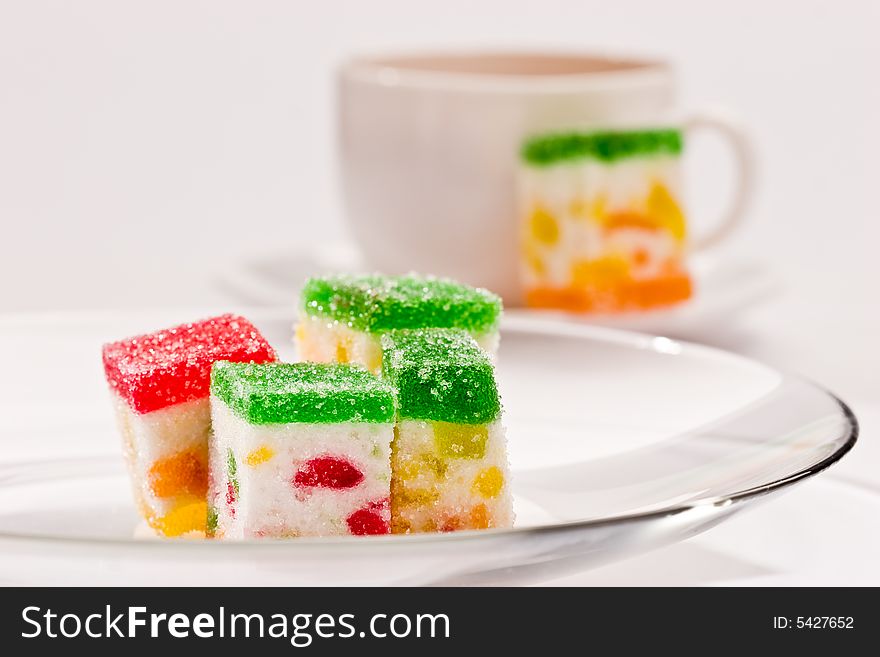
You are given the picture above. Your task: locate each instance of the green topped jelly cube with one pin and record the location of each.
(440, 375)
(281, 393)
(377, 303)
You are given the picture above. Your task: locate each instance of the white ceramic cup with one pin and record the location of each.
(429, 149)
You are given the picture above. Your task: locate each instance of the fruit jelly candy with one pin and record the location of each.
(343, 317)
(449, 454)
(442, 375)
(380, 303)
(302, 392)
(173, 365)
(159, 383)
(299, 449)
(470, 489)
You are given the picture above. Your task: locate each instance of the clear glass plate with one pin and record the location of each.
(619, 443)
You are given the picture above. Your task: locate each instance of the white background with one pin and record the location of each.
(146, 148)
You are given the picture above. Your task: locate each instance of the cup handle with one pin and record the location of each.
(744, 161)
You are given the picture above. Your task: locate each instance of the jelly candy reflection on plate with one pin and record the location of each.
(601, 228)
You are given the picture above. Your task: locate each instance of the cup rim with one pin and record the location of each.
(385, 69)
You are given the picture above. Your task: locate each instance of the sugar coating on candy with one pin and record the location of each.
(479, 517)
(328, 472)
(281, 393)
(231, 496)
(167, 455)
(368, 522)
(298, 478)
(183, 473)
(462, 441)
(172, 366)
(606, 146)
(377, 303)
(183, 519)
(449, 477)
(374, 519)
(442, 375)
(232, 474)
(260, 455)
(488, 482)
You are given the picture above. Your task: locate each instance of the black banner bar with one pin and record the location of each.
(330, 621)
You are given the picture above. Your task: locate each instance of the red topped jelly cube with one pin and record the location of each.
(172, 366)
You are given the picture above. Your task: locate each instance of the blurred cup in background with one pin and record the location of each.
(430, 149)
